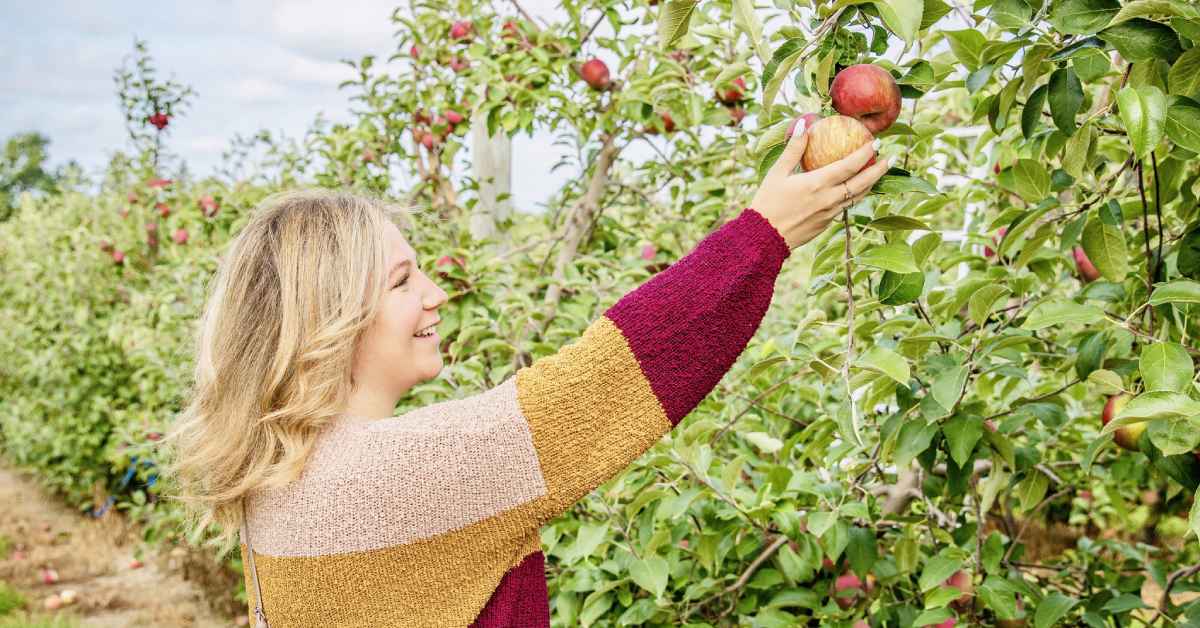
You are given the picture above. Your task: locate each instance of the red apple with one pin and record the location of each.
(180, 236)
(987, 250)
(996, 168)
(163, 209)
(848, 590)
(809, 120)
(155, 183)
(420, 116)
(735, 94)
(460, 30)
(862, 623)
(151, 227)
(414, 52)
(159, 120)
(949, 623)
(1087, 270)
(208, 205)
(453, 117)
(447, 260)
(648, 252)
(458, 64)
(154, 436)
(831, 139)
(136, 564)
(48, 576)
(52, 603)
(510, 30)
(866, 92)
(961, 580)
(131, 197)
(118, 256)
(595, 74)
(1129, 435)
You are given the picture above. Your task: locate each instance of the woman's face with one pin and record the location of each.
(392, 359)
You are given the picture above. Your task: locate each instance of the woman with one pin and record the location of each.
(314, 331)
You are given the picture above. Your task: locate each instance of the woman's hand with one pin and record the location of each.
(801, 205)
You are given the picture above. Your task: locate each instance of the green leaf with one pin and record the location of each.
(1031, 490)
(934, 10)
(897, 223)
(1012, 14)
(948, 385)
(747, 20)
(914, 438)
(862, 550)
(673, 20)
(937, 570)
(1105, 381)
(1142, 40)
(1153, 405)
(1166, 366)
(899, 184)
(1075, 154)
(903, 17)
(1031, 180)
(1184, 75)
(1176, 436)
(1148, 8)
(983, 301)
(1091, 354)
(1066, 96)
(1183, 121)
(778, 68)
(764, 442)
(1061, 311)
(899, 288)
(1082, 17)
(895, 256)
(650, 573)
(1032, 113)
(967, 45)
(1053, 608)
(1105, 246)
(962, 432)
(1188, 260)
(1090, 64)
(1143, 110)
(1194, 514)
(1180, 291)
(886, 361)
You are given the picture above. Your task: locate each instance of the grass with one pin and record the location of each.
(10, 599)
(38, 620)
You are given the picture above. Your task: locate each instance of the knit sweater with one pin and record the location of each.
(432, 518)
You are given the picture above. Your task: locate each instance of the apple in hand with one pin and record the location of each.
(867, 93)
(831, 139)
(1087, 269)
(1127, 436)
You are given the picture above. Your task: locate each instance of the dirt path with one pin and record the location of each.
(93, 558)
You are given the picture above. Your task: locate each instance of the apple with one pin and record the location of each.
(163, 209)
(648, 252)
(131, 197)
(996, 168)
(868, 93)
(48, 576)
(124, 213)
(180, 236)
(136, 564)
(459, 64)
(831, 139)
(446, 260)
(156, 183)
(159, 120)
(848, 589)
(1086, 268)
(106, 246)
(52, 603)
(735, 115)
(1129, 435)
(987, 250)
(420, 116)
(460, 30)
(595, 74)
(809, 120)
(68, 596)
(735, 94)
(949, 623)
(151, 227)
(118, 256)
(862, 623)
(414, 52)
(510, 30)
(453, 117)
(960, 580)
(208, 205)
(154, 436)
(668, 125)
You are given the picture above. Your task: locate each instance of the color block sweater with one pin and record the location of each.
(432, 518)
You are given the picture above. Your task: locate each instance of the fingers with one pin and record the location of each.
(792, 153)
(844, 168)
(862, 182)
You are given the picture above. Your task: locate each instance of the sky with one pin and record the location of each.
(252, 64)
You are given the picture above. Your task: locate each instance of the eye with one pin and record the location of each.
(401, 282)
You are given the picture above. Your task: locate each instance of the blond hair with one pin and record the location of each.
(292, 296)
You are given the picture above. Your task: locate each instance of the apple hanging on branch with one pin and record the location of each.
(867, 93)
(595, 73)
(1127, 436)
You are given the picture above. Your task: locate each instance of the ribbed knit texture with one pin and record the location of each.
(432, 518)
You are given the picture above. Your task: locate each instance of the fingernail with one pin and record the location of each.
(877, 143)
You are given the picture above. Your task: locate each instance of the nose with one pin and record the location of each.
(439, 297)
